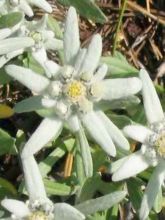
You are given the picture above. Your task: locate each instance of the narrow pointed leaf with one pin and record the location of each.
(101, 203)
(30, 104)
(85, 152)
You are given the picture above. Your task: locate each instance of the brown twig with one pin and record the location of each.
(145, 12)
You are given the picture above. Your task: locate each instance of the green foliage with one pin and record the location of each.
(10, 19)
(7, 143)
(118, 66)
(87, 8)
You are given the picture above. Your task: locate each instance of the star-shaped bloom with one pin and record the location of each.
(152, 152)
(11, 47)
(38, 207)
(34, 37)
(73, 93)
(7, 6)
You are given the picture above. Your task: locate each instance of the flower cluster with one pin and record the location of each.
(38, 207)
(72, 94)
(152, 152)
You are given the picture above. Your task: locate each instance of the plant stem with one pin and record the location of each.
(119, 25)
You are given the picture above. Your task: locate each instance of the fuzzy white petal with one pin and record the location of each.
(100, 74)
(16, 207)
(134, 164)
(11, 44)
(53, 44)
(115, 133)
(114, 166)
(137, 132)
(42, 4)
(5, 32)
(27, 77)
(33, 179)
(73, 123)
(46, 131)
(7, 57)
(92, 57)
(152, 190)
(79, 60)
(64, 211)
(98, 131)
(71, 36)
(40, 56)
(52, 67)
(152, 105)
(25, 7)
(120, 88)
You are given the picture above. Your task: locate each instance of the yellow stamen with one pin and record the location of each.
(38, 215)
(160, 145)
(75, 90)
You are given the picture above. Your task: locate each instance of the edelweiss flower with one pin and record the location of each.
(39, 207)
(7, 6)
(13, 20)
(73, 92)
(152, 152)
(35, 37)
(12, 47)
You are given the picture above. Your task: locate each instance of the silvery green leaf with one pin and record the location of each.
(102, 203)
(98, 132)
(64, 211)
(11, 44)
(85, 152)
(16, 207)
(71, 36)
(152, 190)
(30, 104)
(118, 66)
(32, 179)
(115, 133)
(27, 77)
(55, 27)
(47, 164)
(152, 105)
(11, 20)
(158, 202)
(53, 188)
(92, 57)
(48, 130)
(93, 13)
(118, 103)
(79, 166)
(134, 164)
